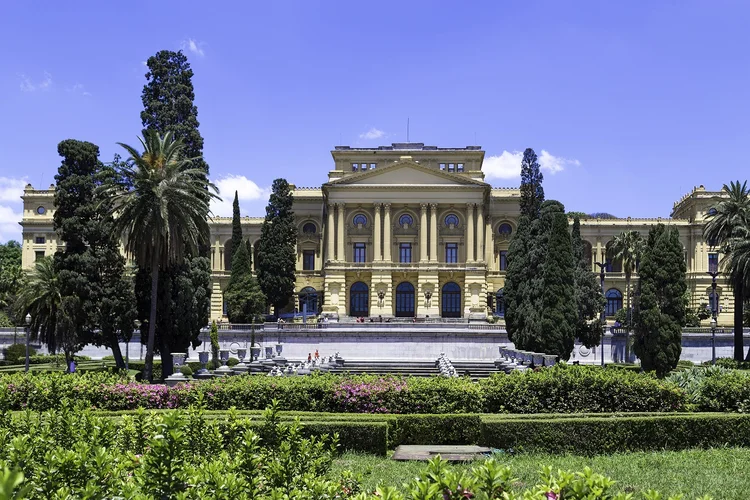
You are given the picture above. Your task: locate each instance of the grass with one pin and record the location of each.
(720, 473)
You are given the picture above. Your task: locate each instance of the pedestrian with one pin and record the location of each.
(317, 356)
(309, 357)
(72, 366)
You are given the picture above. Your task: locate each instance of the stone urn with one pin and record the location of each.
(254, 352)
(241, 367)
(178, 360)
(224, 370)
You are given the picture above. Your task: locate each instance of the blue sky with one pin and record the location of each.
(633, 103)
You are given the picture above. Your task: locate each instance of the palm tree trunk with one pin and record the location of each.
(148, 371)
(739, 347)
(628, 320)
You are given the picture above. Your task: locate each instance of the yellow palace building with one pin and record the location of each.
(409, 230)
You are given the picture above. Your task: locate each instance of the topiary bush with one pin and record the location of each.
(16, 353)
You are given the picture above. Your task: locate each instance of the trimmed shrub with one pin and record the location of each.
(727, 391)
(570, 389)
(186, 370)
(16, 353)
(434, 429)
(597, 435)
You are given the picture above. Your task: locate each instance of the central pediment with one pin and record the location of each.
(406, 173)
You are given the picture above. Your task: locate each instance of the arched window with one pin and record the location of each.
(308, 296)
(614, 301)
(500, 303)
(405, 220)
(450, 301)
(360, 220)
(309, 228)
(505, 229)
(712, 211)
(359, 300)
(405, 300)
(451, 220)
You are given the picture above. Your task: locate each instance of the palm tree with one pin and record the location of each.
(628, 248)
(162, 213)
(40, 297)
(726, 224)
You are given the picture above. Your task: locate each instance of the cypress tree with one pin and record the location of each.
(660, 308)
(532, 192)
(277, 247)
(96, 295)
(517, 277)
(236, 226)
(184, 290)
(556, 334)
(245, 300)
(589, 298)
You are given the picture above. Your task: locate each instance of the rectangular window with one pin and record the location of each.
(442, 166)
(405, 253)
(39, 240)
(360, 252)
(355, 167)
(713, 263)
(460, 167)
(451, 167)
(38, 255)
(308, 260)
(503, 260)
(373, 165)
(451, 253)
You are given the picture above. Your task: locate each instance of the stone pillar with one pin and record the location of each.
(433, 233)
(423, 233)
(252, 257)
(376, 254)
(480, 234)
(387, 234)
(489, 253)
(341, 256)
(470, 232)
(330, 235)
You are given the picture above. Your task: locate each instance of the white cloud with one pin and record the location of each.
(29, 86)
(10, 208)
(252, 197)
(373, 133)
(508, 164)
(193, 46)
(78, 88)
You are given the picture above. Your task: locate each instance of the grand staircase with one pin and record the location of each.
(473, 369)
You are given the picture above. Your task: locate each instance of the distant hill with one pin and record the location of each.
(596, 215)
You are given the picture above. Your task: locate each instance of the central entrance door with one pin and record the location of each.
(405, 300)
(451, 301)
(359, 300)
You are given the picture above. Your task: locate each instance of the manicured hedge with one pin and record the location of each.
(575, 389)
(434, 429)
(596, 435)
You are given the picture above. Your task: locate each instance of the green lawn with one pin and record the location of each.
(720, 473)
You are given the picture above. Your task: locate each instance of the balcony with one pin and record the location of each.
(407, 266)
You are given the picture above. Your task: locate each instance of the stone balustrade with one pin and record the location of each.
(519, 360)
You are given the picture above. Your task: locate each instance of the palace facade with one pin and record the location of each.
(409, 230)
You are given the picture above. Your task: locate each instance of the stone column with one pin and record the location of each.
(433, 233)
(480, 233)
(340, 255)
(489, 253)
(470, 232)
(387, 234)
(252, 257)
(376, 255)
(330, 235)
(423, 233)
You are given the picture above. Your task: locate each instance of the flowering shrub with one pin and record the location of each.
(562, 389)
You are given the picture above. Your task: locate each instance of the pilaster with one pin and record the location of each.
(423, 233)
(340, 255)
(377, 255)
(433, 233)
(387, 234)
(470, 232)
(489, 246)
(428, 286)
(330, 234)
(480, 234)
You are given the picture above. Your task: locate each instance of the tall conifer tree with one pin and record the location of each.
(589, 298)
(660, 308)
(532, 192)
(517, 278)
(184, 290)
(236, 226)
(278, 240)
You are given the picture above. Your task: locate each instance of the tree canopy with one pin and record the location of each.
(589, 299)
(532, 192)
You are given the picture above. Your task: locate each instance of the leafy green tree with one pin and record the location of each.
(726, 226)
(40, 297)
(162, 218)
(627, 247)
(589, 298)
(660, 311)
(185, 301)
(10, 278)
(276, 253)
(517, 278)
(245, 300)
(532, 192)
(96, 294)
